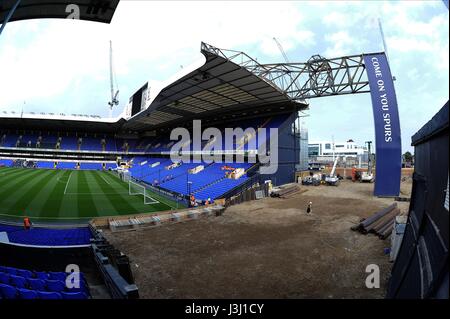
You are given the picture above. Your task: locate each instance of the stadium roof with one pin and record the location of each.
(41, 121)
(91, 10)
(218, 86)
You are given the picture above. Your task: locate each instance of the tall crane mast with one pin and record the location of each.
(369, 159)
(114, 95)
(281, 50)
(380, 27)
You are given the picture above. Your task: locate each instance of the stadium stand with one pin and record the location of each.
(41, 164)
(208, 179)
(211, 182)
(104, 143)
(69, 143)
(47, 237)
(6, 162)
(66, 165)
(92, 166)
(16, 283)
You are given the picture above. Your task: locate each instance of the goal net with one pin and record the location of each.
(124, 175)
(137, 189)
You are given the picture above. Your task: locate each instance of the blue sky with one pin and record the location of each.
(62, 65)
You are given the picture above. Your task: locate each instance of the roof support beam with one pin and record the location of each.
(300, 81)
(8, 17)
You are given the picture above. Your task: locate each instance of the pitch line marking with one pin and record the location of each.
(67, 183)
(105, 180)
(96, 193)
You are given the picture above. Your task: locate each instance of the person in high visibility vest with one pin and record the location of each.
(353, 174)
(26, 223)
(192, 200)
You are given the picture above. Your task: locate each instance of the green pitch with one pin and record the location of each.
(68, 194)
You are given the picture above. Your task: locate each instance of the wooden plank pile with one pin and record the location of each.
(136, 222)
(285, 190)
(381, 223)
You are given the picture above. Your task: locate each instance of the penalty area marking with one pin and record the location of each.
(105, 179)
(96, 193)
(67, 183)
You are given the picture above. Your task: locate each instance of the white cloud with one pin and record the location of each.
(48, 61)
(342, 43)
(144, 33)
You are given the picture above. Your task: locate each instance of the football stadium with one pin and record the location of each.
(203, 186)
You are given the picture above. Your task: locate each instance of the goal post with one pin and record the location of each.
(138, 189)
(124, 175)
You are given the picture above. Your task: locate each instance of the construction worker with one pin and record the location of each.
(309, 208)
(192, 200)
(353, 174)
(26, 223)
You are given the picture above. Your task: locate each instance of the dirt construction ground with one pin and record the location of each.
(269, 248)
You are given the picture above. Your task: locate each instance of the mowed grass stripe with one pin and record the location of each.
(165, 204)
(15, 173)
(69, 203)
(120, 203)
(104, 205)
(19, 198)
(31, 201)
(86, 205)
(17, 182)
(54, 196)
(162, 205)
(10, 177)
(5, 170)
(39, 193)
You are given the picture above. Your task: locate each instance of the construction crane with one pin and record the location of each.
(333, 179)
(114, 93)
(380, 27)
(368, 176)
(281, 50)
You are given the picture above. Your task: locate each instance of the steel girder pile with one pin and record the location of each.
(381, 223)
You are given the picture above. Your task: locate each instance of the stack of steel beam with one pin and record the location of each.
(381, 223)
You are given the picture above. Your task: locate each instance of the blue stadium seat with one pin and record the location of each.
(49, 295)
(18, 281)
(46, 237)
(8, 292)
(27, 294)
(55, 285)
(45, 164)
(4, 278)
(36, 284)
(32, 288)
(11, 271)
(42, 275)
(24, 273)
(73, 295)
(61, 276)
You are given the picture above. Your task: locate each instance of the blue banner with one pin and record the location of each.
(387, 126)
